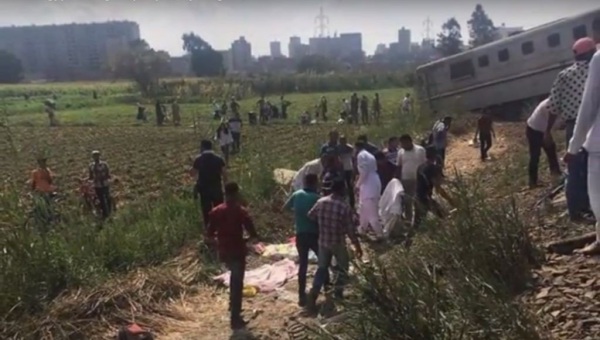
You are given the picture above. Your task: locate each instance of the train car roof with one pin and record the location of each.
(505, 40)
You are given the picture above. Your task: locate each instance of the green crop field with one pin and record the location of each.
(157, 218)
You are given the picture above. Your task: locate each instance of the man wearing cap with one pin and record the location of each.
(586, 135)
(99, 173)
(565, 98)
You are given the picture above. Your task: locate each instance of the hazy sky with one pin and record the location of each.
(162, 22)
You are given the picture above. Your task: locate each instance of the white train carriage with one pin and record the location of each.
(511, 70)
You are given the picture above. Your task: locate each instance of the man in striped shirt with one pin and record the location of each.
(565, 98)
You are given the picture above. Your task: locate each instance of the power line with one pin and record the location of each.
(321, 24)
(427, 27)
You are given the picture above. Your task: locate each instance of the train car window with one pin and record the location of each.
(553, 40)
(503, 55)
(483, 61)
(462, 69)
(527, 47)
(579, 32)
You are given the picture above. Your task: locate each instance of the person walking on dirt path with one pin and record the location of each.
(99, 174)
(429, 178)
(334, 218)
(234, 106)
(586, 135)
(225, 139)
(354, 103)
(439, 135)
(376, 108)
(369, 191)
(364, 110)
(160, 114)
(210, 170)
(485, 132)
(175, 112)
(228, 221)
(410, 157)
(235, 126)
(307, 230)
(346, 152)
(536, 125)
(565, 99)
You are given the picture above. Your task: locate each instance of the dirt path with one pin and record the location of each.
(270, 314)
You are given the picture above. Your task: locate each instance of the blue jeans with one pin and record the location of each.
(576, 186)
(326, 254)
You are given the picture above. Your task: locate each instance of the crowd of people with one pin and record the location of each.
(575, 99)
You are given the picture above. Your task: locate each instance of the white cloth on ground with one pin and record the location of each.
(390, 204)
(265, 278)
(312, 167)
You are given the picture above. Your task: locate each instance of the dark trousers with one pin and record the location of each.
(424, 205)
(305, 242)
(536, 143)
(103, 195)
(209, 198)
(441, 157)
(576, 188)
(364, 116)
(237, 267)
(485, 144)
(237, 136)
(349, 179)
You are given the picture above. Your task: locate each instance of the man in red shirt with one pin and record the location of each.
(226, 225)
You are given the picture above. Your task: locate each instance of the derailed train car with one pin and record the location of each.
(506, 72)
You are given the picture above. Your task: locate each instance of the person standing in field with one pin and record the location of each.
(99, 174)
(364, 110)
(225, 139)
(323, 108)
(410, 157)
(160, 114)
(209, 169)
(376, 108)
(228, 221)
(50, 108)
(354, 103)
(334, 218)
(307, 230)
(407, 104)
(332, 172)
(175, 112)
(331, 148)
(429, 177)
(284, 107)
(42, 179)
(565, 99)
(485, 132)
(439, 135)
(234, 106)
(346, 153)
(235, 126)
(586, 135)
(536, 125)
(369, 191)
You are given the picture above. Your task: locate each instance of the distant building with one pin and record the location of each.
(381, 49)
(344, 46)
(275, 49)
(70, 51)
(350, 44)
(181, 66)
(241, 51)
(227, 60)
(403, 46)
(296, 49)
(504, 32)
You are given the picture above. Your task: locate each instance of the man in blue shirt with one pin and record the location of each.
(307, 231)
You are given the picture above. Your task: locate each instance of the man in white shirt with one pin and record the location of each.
(346, 152)
(586, 134)
(369, 191)
(410, 157)
(313, 167)
(536, 126)
(407, 104)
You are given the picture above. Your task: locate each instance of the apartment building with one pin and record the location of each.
(69, 51)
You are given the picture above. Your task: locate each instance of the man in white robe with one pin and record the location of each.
(369, 191)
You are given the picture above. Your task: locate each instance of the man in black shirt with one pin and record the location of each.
(429, 177)
(210, 171)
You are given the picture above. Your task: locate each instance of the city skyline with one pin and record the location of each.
(222, 22)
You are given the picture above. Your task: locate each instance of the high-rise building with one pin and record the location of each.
(381, 49)
(403, 46)
(241, 54)
(275, 49)
(296, 49)
(68, 52)
(350, 44)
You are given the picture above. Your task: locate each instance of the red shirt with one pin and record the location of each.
(227, 222)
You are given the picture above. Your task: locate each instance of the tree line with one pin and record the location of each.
(481, 31)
